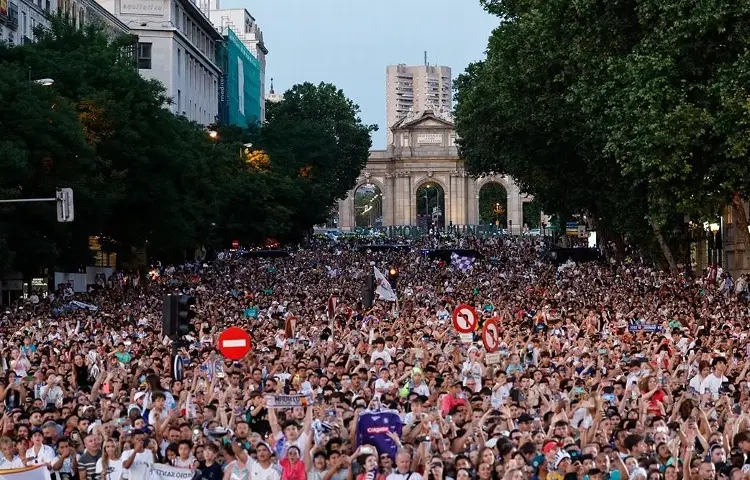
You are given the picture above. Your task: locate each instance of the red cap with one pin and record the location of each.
(549, 446)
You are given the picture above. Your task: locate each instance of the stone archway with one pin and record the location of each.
(514, 201)
(368, 206)
(430, 205)
(493, 204)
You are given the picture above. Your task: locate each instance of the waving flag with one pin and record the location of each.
(462, 263)
(384, 288)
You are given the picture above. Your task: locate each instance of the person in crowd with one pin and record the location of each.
(603, 371)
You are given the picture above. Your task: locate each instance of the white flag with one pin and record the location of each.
(384, 288)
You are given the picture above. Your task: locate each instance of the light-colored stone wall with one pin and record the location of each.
(424, 151)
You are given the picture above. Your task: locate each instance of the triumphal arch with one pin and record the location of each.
(420, 180)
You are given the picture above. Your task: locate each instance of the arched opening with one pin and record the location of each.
(333, 217)
(430, 206)
(532, 214)
(493, 205)
(368, 206)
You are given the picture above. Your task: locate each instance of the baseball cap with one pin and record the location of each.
(525, 418)
(549, 446)
(264, 444)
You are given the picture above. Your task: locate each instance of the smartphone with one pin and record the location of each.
(367, 450)
(609, 397)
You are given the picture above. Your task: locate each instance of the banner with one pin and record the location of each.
(287, 401)
(4, 8)
(37, 472)
(644, 327)
(165, 472)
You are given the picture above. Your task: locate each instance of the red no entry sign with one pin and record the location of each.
(465, 319)
(234, 343)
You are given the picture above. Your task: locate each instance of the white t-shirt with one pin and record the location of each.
(421, 389)
(178, 462)
(384, 355)
(300, 443)
(259, 473)
(114, 469)
(6, 464)
(712, 384)
(403, 476)
(695, 382)
(141, 465)
(45, 456)
(382, 384)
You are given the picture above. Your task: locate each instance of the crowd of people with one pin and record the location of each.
(605, 371)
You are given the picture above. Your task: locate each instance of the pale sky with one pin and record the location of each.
(350, 42)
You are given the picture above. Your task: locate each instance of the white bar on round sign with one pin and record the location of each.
(234, 343)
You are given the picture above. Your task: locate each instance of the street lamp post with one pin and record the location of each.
(714, 227)
(427, 206)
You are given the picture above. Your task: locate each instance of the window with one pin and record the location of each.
(24, 24)
(144, 56)
(179, 62)
(179, 102)
(177, 16)
(47, 6)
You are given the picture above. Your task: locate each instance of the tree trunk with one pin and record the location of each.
(664, 246)
(741, 224)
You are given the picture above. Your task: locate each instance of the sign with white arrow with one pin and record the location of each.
(465, 319)
(491, 336)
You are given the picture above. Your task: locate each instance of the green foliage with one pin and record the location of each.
(144, 178)
(493, 204)
(634, 112)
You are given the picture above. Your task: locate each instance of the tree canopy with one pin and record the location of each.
(633, 112)
(146, 179)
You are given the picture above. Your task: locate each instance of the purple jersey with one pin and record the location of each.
(372, 430)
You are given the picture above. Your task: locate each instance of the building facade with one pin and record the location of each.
(423, 156)
(272, 96)
(416, 88)
(239, 84)
(20, 18)
(177, 47)
(247, 31)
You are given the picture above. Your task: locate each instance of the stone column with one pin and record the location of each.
(515, 209)
(403, 199)
(472, 197)
(388, 200)
(346, 217)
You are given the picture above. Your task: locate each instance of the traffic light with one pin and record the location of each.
(177, 315)
(393, 277)
(368, 292)
(65, 208)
